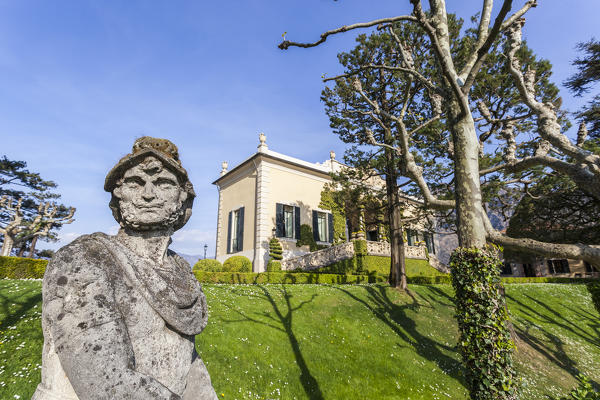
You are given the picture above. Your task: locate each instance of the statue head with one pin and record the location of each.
(149, 187)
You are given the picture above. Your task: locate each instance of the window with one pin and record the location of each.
(414, 237)
(429, 242)
(287, 219)
(558, 266)
(589, 267)
(235, 231)
(322, 226)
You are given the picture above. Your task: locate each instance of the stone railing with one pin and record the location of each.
(345, 251)
(378, 249)
(320, 258)
(418, 252)
(383, 249)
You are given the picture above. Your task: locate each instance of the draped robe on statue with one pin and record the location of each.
(118, 326)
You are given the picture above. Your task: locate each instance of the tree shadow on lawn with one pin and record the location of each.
(553, 317)
(558, 356)
(284, 317)
(11, 317)
(396, 318)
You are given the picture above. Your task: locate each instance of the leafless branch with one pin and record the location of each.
(287, 44)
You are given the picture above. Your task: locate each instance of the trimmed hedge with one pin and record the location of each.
(273, 266)
(283, 277)
(208, 264)
(22, 268)
(365, 264)
(237, 264)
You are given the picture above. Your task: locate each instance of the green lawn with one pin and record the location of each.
(346, 341)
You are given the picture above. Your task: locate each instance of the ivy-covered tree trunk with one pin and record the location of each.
(485, 343)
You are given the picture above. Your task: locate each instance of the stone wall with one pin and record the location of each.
(345, 251)
(320, 258)
(378, 249)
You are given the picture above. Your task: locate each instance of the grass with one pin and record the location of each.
(346, 341)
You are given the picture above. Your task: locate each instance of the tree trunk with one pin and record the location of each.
(22, 249)
(7, 246)
(397, 276)
(32, 247)
(469, 208)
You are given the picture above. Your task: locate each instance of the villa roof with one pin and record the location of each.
(325, 168)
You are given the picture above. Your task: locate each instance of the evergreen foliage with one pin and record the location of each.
(237, 264)
(328, 202)
(587, 75)
(583, 391)
(557, 211)
(273, 266)
(485, 342)
(208, 264)
(307, 238)
(22, 268)
(275, 250)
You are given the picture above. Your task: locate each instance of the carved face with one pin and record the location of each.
(150, 196)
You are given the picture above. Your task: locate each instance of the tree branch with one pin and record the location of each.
(578, 251)
(287, 44)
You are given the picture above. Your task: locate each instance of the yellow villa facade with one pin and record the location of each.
(265, 188)
(272, 194)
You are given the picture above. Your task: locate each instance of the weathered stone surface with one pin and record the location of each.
(345, 251)
(320, 258)
(120, 312)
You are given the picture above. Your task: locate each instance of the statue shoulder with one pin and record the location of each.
(180, 260)
(85, 259)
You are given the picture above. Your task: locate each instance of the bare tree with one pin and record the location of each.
(19, 230)
(448, 91)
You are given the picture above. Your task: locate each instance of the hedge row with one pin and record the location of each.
(22, 268)
(283, 277)
(28, 268)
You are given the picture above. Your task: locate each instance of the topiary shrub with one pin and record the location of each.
(360, 253)
(485, 342)
(237, 264)
(208, 264)
(307, 238)
(273, 266)
(275, 250)
(22, 268)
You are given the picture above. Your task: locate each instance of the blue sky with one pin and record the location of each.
(80, 80)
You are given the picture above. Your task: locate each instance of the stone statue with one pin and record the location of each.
(120, 312)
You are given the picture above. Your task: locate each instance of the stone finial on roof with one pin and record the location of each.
(263, 142)
(224, 168)
(332, 155)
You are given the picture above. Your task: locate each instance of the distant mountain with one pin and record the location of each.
(192, 259)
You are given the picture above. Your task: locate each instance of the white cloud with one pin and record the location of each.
(192, 241)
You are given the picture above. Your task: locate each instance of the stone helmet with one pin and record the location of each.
(167, 153)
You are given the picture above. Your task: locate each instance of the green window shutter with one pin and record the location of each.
(296, 222)
(315, 223)
(330, 227)
(229, 232)
(240, 230)
(279, 222)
